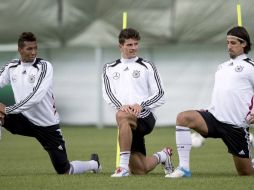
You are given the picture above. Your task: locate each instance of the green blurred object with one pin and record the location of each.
(6, 96)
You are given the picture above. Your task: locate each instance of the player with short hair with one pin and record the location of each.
(134, 88)
(229, 115)
(34, 113)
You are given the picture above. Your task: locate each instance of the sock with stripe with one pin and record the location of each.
(183, 143)
(161, 156)
(124, 159)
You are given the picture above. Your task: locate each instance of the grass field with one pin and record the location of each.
(25, 165)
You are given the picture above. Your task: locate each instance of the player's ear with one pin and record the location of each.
(244, 44)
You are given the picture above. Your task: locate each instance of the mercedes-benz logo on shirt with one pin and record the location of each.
(116, 75)
(239, 68)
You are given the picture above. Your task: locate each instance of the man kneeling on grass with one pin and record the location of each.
(34, 113)
(230, 114)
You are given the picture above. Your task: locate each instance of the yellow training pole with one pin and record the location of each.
(117, 150)
(124, 20)
(239, 15)
(117, 144)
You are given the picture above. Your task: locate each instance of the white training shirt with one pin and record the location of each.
(131, 81)
(32, 87)
(233, 93)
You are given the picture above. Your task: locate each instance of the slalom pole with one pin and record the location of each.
(239, 15)
(117, 141)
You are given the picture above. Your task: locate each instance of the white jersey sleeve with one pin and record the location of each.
(4, 75)
(157, 97)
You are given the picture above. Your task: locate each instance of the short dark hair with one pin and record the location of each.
(26, 36)
(128, 33)
(241, 33)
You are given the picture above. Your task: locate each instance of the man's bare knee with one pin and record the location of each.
(123, 119)
(183, 119)
(246, 172)
(120, 115)
(192, 120)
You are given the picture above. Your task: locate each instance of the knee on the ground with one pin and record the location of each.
(139, 171)
(245, 172)
(62, 168)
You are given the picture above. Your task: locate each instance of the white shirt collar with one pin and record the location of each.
(239, 57)
(129, 60)
(27, 63)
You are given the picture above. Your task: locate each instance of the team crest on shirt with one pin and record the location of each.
(116, 75)
(31, 78)
(239, 68)
(136, 74)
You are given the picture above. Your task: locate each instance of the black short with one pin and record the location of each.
(235, 138)
(144, 127)
(50, 138)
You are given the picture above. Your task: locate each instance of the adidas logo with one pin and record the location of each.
(60, 147)
(241, 152)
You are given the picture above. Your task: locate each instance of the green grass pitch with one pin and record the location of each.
(25, 165)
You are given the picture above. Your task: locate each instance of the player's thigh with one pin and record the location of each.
(19, 124)
(192, 119)
(243, 166)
